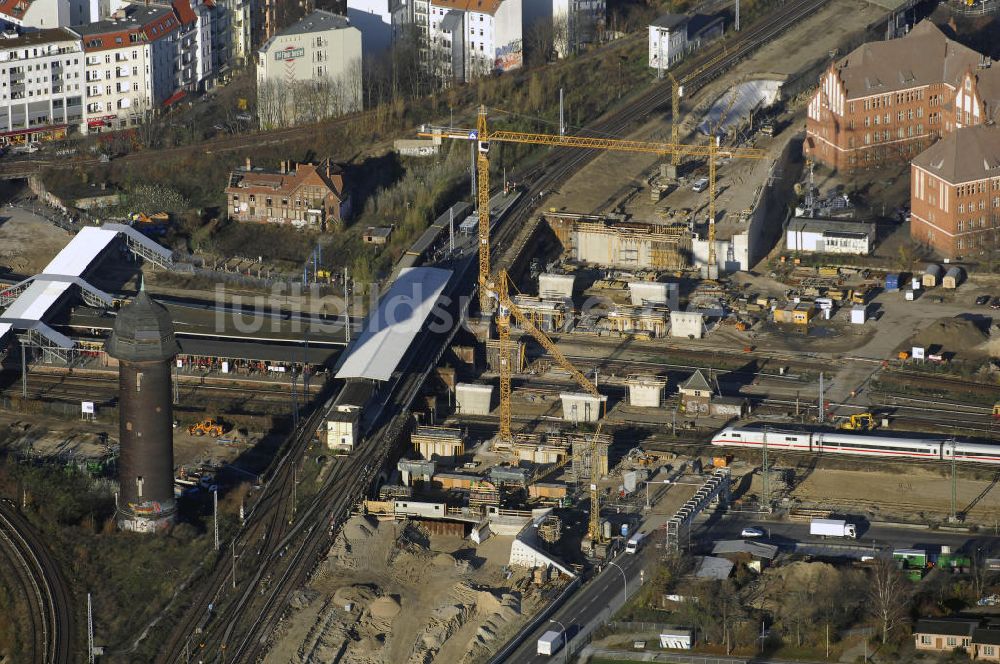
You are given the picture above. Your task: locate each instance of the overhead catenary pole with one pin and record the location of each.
(765, 476)
(90, 631)
(215, 516)
(954, 482)
(562, 117)
(347, 310)
(737, 26)
(451, 229)
(819, 416)
(24, 372)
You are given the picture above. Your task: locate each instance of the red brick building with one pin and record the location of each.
(955, 193)
(888, 101)
(300, 195)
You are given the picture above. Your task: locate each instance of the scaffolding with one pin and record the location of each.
(631, 319)
(714, 490)
(518, 358)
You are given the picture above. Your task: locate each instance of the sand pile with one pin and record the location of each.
(360, 528)
(505, 609)
(953, 335)
(385, 607)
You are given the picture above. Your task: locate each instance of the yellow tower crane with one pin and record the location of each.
(505, 309)
(483, 136)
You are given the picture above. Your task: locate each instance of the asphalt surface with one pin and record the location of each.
(602, 596)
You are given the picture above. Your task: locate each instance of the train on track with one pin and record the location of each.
(871, 445)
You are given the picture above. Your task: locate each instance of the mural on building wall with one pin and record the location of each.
(509, 56)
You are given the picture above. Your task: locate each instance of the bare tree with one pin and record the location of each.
(888, 595)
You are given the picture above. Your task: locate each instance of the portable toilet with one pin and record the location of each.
(858, 314)
(953, 277)
(932, 275)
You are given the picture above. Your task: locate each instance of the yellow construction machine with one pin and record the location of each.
(207, 427)
(859, 422)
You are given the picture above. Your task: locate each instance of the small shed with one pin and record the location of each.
(378, 235)
(859, 314)
(953, 277)
(678, 639)
(932, 275)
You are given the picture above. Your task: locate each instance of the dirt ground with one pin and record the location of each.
(28, 242)
(388, 592)
(914, 493)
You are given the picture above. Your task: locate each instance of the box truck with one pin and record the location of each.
(832, 528)
(550, 642)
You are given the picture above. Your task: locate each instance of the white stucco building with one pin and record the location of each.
(472, 38)
(131, 61)
(42, 89)
(830, 236)
(39, 14)
(667, 40)
(309, 71)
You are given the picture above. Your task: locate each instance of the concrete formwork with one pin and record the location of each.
(687, 324)
(556, 285)
(473, 399)
(645, 391)
(582, 407)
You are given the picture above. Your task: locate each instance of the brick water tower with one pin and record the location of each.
(142, 340)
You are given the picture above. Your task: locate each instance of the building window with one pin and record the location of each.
(925, 639)
(952, 641)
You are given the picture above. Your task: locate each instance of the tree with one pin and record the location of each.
(888, 595)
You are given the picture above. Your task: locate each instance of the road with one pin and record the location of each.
(879, 537)
(588, 608)
(597, 601)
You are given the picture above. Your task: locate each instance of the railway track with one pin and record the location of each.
(49, 597)
(103, 390)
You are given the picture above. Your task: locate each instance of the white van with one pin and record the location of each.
(635, 543)
(700, 185)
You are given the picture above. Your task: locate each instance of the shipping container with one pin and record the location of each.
(891, 282)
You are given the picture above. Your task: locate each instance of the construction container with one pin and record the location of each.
(932, 275)
(908, 295)
(547, 490)
(953, 277)
(915, 283)
(891, 282)
(859, 314)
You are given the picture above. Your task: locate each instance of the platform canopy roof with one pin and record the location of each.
(390, 330)
(40, 294)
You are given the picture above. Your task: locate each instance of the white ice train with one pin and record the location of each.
(861, 445)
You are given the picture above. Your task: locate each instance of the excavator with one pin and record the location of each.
(859, 422)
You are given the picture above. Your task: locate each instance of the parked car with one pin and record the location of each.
(995, 304)
(982, 300)
(752, 532)
(27, 148)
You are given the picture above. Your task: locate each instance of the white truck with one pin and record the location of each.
(833, 528)
(550, 642)
(633, 545)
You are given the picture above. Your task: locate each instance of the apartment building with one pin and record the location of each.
(130, 63)
(887, 101)
(473, 38)
(309, 71)
(42, 86)
(955, 193)
(572, 24)
(38, 14)
(375, 20)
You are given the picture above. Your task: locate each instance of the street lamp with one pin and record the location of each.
(624, 578)
(565, 637)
